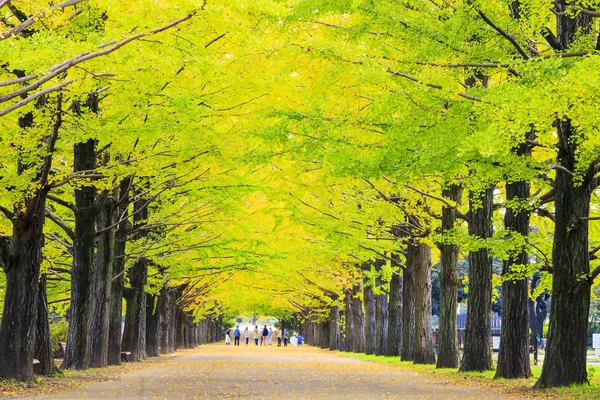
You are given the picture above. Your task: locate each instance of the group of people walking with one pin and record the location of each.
(264, 335)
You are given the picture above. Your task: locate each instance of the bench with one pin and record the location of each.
(125, 355)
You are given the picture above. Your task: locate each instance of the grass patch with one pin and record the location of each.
(522, 388)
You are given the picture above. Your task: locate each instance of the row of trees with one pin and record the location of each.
(474, 122)
(314, 160)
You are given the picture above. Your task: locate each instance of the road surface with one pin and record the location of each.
(219, 371)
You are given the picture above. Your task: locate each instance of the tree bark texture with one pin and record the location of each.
(418, 259)
(102, 285)
(78, 336)
(566, 351)
(22, 268)
(43, 347)
(152, 325)
(394, 342)
(118, 275)
(358, 316)
(334, 328)
(565, 361)
(134, 337)
(21, 262)
(447, 338)
(407, 350)
(370, 319)
(349, 321)
(513, 359)
(477, 355)
(381, 326)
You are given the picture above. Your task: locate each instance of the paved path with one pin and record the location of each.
(217, 371)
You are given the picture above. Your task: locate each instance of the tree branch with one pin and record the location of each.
(431, 85)
(31, 20)
(62, 202)
(61, 224)
(9, 214)
(441, 199)
(62, 67)
(505, 35)
(29, 99)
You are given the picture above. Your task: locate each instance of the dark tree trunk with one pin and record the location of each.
(513, 359)
(19, 316)
(324, 331)
(418, 259)
(152, 325)
(134, 337)
(118, 278)
(447, 339)
(21, 259)
(370, 319)
(163, 322)
(78, 336)
(394, 340)
(381, 327)
(334, 328)
(102, 285)
(180, 330)
(477, 354)
(43, 346)
(349, 317)
(407, 350)
(565, 360)
(358, 317)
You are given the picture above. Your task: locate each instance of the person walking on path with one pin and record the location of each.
(256, 334)
(278, 336)
(246, 335)
(270, 337)
(265, 335)
(236, 336)
(227, 337)
(286, 336)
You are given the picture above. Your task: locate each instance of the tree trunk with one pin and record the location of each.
(447, 339)
(513, 359)
(349, 317)
(407, 350)
(43, 346)
(566, 351)
(22, 268)
(334, 328)
(370, 319)
(565, 361)
(102, 285)
(477, 355)
(381, 326)
(21, 261)
(118, 278)
(358, 317)
(394, 340)
(78, 336)
(152, 325)
(418, 259)
(134, 337)
(180, 330)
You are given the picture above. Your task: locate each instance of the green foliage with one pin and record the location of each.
(58, 333)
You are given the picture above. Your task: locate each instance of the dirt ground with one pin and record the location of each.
(219, 371)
